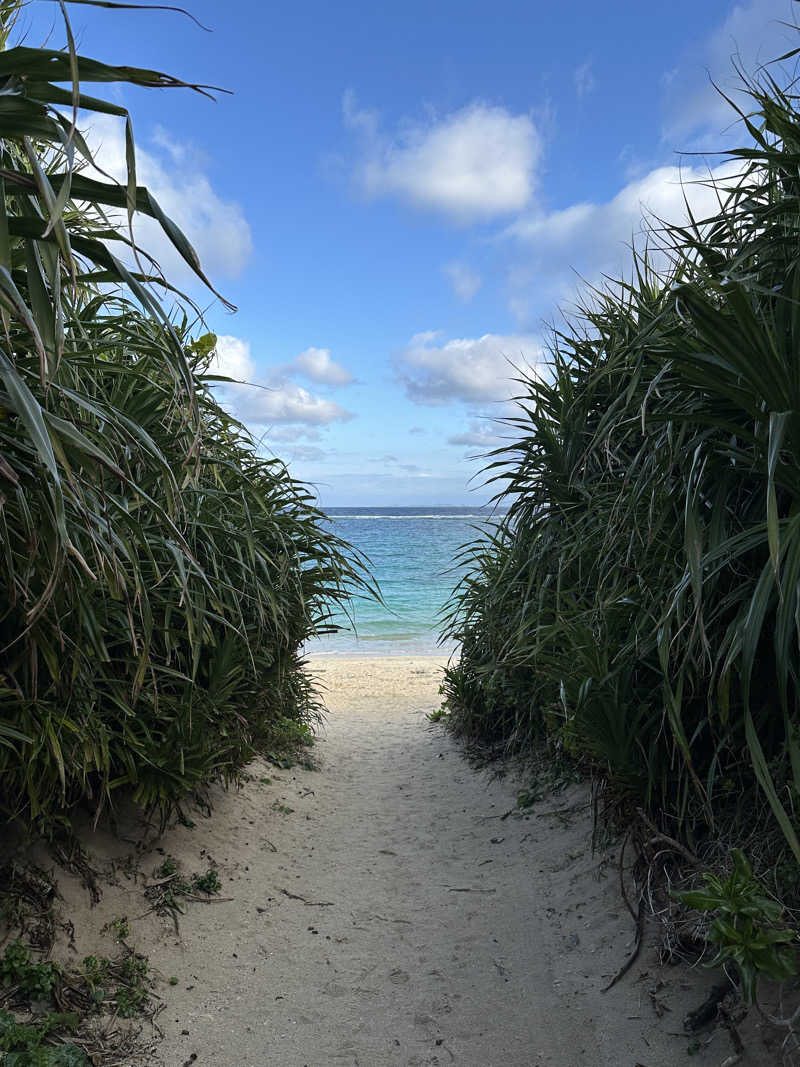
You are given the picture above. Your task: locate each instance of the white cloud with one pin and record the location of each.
(473, 370)
(294, 433)
(465, 281)
(475, 163)
(751, 35)
(173, 172)
(479, 435)
(265, 401)
(584, 80)
(289, 403)
(232, 359)
(593, 239)
(316, 364)
(305, 453)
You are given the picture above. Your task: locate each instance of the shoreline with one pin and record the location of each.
(394, 657)
(397, 650)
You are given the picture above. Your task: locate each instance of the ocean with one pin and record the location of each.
(412, 553)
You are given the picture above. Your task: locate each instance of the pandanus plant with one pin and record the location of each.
(640, 603)
(158, 576)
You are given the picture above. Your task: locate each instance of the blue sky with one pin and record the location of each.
(398, 196)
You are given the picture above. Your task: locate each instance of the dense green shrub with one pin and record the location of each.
(157, 575)
(639, 604)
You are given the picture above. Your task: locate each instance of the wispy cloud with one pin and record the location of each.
(476, 163)
(753, 33)
(305, 453)
(469, 369)
(482, 435)
(550, 255)
(465, 281)
(294, 433)
(583, 78)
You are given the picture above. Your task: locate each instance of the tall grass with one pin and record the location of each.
(639, 606)
(157, 575)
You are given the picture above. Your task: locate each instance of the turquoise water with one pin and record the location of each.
(412, 553)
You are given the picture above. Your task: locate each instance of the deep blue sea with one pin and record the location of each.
(412, 553)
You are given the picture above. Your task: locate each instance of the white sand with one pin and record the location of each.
(393, 917)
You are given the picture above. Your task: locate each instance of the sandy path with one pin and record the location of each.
(435, 931)
(381, 912)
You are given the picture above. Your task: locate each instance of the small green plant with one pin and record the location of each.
(95, 974)
(132, 993)
(438, 715)
(130, 1001)
(175, 885)
(122, 982)
(173, 980)
(22, 1044)
(282, 809)
(134, 969)
(284, 746)
(120, 928)
(167, 894)
(526, 798)
(745, 927)
(206, 883)
(17, 968)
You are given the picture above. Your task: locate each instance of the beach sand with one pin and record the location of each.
(386, 909)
